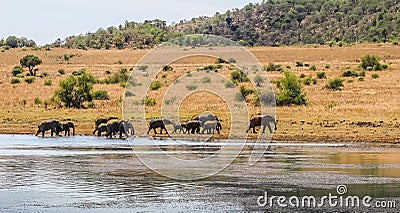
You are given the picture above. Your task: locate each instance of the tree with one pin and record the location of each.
(30, 61)
(290, 91)
(75, 90)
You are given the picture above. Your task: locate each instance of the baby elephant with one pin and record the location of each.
(66, 127)
(211, 126)
(180, 127)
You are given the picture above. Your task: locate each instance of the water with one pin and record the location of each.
(91, 174)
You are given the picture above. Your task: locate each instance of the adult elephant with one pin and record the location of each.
(203, 118)
(116, 126)
(102, 121)
(52, 125)
(262, 120)
(66, 127)
(211, 126)
(128, 127)
(193, 127)
(101, 128)
(158, 123)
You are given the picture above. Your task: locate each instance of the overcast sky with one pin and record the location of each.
(46, 20)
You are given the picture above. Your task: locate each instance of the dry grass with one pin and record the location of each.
(329, 116)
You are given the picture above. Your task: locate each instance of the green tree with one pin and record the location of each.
(75, 90)
(291, 91)
(30, 61)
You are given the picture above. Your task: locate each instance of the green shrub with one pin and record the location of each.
(170, 101)
(61, 71)
(245, 91)
(17, 70)
(232, 60)
(78, 72)
(48, 82)
(362, 73)
(259, 80)
(100, 95)
(375, 75)
(206, 80)
(264, 99)
(321, 75)
(15, 81)
(191, 87)
(168, 68)
(371, 62)
(107, 72)
(37, 101)
(290, 90)
(349, 73)
(307, 81)
(334, 84)
(302, 75)
(29, 80)
(239, 76)
(328, 66)
(143, 67)
(273, 67)
(91, 105)
(68, 56)
(299, 64)
(43, 75)
(21, 75)
(229, 84)
(213, 67)
(118, 77)
(313, 68)
(155, 85)
(361, 79)
(150, 101)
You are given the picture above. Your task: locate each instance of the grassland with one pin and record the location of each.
(365, 110)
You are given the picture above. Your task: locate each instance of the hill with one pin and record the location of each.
(269, 23)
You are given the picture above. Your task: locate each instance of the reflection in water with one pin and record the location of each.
(94, 174)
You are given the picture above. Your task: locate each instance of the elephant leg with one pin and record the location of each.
(264, 127)
(42, 134)
(94, 132)
(269, 127)
(254, 129)
(37, 133)
(166, 131)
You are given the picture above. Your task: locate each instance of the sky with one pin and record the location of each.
(46, 20)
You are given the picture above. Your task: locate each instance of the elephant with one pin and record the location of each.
(180, 127)
(211, 126)
(101, 128)
(116, 126)
(261, 120)
(66, 127)
(52, 125)
(158, 123)
(102, 121)
(128, 127)
(203, 118)
(193, 127)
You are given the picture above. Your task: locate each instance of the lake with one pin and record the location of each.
(90, 174)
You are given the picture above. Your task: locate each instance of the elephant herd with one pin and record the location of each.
(200, 124)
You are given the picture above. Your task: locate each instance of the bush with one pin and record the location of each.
(335, 84)
(299, 64)
(143, 67)
(48, 82)
(313, 68)
(75, 90)
(21, 75)
(229, 84)
(43, 75)
(150, 101)
(100, 95)
(107, 72)
(29, 80)
(232, 60)
(290, 90)
(239, 76)
(328, 66)
(375, 75)
(211, 67)
(191, 87)
(168, 68)
(264, 99)
(155, 85)
(273, 67)
(78, 72)
(362, 73)
(321, 75)
(15, 81)
(245, 92)
(259, 80)
(206, 80)
(349, 73)
(302, 75)
(61, 71)
(120, 76)
(371, 62)
(17, 70)
(37, 101)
